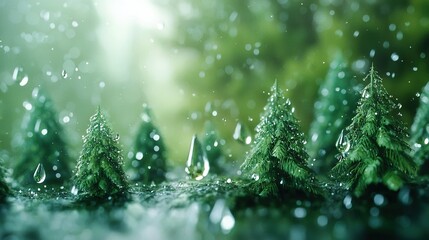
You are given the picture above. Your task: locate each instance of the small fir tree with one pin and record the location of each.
(99, 172)
(278, 158)
(420, 133)
(379, 152)
(44, 144)
(149, 155)
(213, 148)
(4, 188)
(332, 112)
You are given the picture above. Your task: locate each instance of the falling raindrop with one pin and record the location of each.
(365, 94)
(40, 174)
(197, 166)
(378, 199)
(343, 143)
(24, 81)
(347, 201)
(394, 56)
(74, 190)
(64, 74)
(242, 134)
(221, 215)
(255, 177)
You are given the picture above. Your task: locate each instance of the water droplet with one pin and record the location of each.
(343, 143)
(15, 73)
(139, 155)
(64, 74)
(242, 134)
(24, 81)
(322, 220)
(300, 212)
(221, 215)
(394, 56)
(365, 94)
(347, 201)
(117, 137)
(44, 131)
(417, 94)
(197, 165)
(255, 177)
(378, 199)
(74, 190)
(40, 174)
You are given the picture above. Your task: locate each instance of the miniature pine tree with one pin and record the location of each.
(420, 133)
(99, 172)
(379, 152)
(43, 146)
(4, 189)
(213, 149)
(332, 112)
(278, 158)
(149, 159)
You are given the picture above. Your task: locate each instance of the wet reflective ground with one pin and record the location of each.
(218, 209)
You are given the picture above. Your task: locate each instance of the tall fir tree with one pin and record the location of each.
(99, 172)
(43, 146)
(212, 145)
(379, 152)
(420, 133)
(278, 159)
(4, 188)
(333, 111)
(148, 163)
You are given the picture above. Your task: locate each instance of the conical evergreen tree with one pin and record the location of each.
(4, 188)
(277, 161)
(333, 111)
(211, 144)
(420, 133)
(43, 143)
(379, 151)
(99, 172)
(149, 155)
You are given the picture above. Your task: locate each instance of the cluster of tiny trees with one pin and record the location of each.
(278, 162)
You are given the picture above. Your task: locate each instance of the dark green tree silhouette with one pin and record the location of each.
(99, 172)
(43, 143)
(277, 161)
(4, 188)
(379, 150)
(212, 145)
(420, 133)
(333, 111)
(148, 163)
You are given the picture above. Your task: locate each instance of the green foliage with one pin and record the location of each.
(43, 143)
(99, 172)
(149, 158)
(420, 133)
(379, 151)
(278, 159)
(212, 145)
(4, 188)
(332, 113)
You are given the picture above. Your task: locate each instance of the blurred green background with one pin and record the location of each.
(198, 60)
